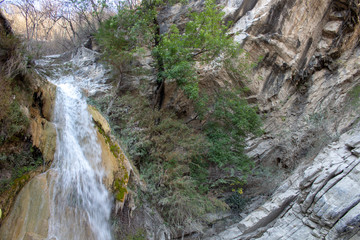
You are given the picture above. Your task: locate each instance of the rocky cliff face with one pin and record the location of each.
(41, 134)
(309, 54)
(306, 87)
(318, 201)
(28, 208)
(28, 138)
(310, 65)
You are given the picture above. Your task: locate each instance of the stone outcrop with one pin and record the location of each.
(31, 211)
(317, 202)
(119, 175)
(308, 68)
(118, 169)
(43, 136)
(43, 132)
(309, 55)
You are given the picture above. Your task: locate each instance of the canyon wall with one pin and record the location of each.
(306, 86)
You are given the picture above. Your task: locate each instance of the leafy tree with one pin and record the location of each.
(204, 39)
(125, 35)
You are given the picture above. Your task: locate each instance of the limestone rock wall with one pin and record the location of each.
(309, 65)
(43, 136)
(319, 201)
(304, 88)
(43, 132)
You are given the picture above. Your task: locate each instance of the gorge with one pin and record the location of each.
(125, 150)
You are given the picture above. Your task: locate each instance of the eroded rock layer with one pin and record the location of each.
(320, 201)
(306, 88)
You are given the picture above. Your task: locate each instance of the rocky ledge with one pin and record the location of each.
(320, 201)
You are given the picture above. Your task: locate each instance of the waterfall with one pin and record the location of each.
(81, 205)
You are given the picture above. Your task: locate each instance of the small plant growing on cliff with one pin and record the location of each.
(13, 122)
(354, 96)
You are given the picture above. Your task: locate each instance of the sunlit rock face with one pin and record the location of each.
(309, 65)
(303, 84)
(318, 201)
(31, 210)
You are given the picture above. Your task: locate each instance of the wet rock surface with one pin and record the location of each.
(31, 210)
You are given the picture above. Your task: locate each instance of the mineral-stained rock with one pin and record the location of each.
(119, 173)
(44, 137)
(118, 168)
(31, 211)
(33, 236)
(100, 120)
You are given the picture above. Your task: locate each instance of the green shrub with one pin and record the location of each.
(231, 121)
(138, 235)
(14, 125)
(123, 36)
(13, 122)
(13, 59)
(173, 158)
(236, 201)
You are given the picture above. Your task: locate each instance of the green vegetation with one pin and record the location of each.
(203, 40)
(236, 201)
(140, 234)
(18, 164)
(13, 71)
(354, 96)
(120, 188)
(176, 160)
(14, 124)
(124, 36)
(228, 125)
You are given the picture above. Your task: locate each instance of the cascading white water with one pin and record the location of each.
(80, 202)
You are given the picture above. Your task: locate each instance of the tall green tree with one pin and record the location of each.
(203, 40)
